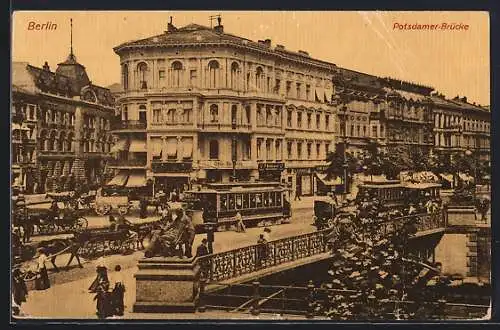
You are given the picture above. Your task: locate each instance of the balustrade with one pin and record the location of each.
(234, 263)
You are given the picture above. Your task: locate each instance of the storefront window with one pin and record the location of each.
(246, 201)
(253, 201)
(231, 202)
(239, 201)
(258, 200)
(223, 202)
(266, 199)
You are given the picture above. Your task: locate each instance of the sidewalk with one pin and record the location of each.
(68, 296)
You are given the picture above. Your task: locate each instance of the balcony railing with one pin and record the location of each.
(224, 127)
(130, 124)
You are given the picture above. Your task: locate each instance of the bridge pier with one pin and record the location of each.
(166, 285)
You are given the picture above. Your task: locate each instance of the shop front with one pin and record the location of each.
(304, 181)
(271, 171)
(172, 176)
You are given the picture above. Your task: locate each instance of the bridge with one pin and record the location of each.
(248, 263)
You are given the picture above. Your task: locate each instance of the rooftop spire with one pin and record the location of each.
(71, 36)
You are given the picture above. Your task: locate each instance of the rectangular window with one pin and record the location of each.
(298, 91)
(327, 122)
(192, 78)
(161, 75)
(259, 149)
(318, 150)
(374, 131)
(289, 118)
(318, 121)
(277, 86)
(308, 92)
(289, 150)
(288, 87)
(299, 120)
(309, 120)
(156, 115)
(352, 130)
(309, 151)
(299, 150)
(364, 131)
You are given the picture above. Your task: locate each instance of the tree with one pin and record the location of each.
(336, 163)
(374, 158)
(378, 269)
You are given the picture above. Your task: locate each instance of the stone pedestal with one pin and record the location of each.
(166, 285)
(461, 216)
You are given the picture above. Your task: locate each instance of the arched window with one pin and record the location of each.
(213, 73)
(52, 141)
(177, 74)
(142, 69)
(214, 113)
(43, 140)
(71, 145)
(125, 76)
(61, 145)
(259, 76)
(214, 149)
(234, 75)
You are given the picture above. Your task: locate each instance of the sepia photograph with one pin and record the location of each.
(250, 165)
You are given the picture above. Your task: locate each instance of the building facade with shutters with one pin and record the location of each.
(200, 105)
(60, 127)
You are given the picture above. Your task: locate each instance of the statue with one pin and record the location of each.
(167, 240)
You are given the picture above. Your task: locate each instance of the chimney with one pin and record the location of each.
(267, 42)
(464, 99)
(170, 26)
(46, 67)
(280, 47)
(219, 28)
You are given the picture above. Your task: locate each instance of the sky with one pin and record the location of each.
(454, 62)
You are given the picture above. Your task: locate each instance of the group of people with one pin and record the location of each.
(109, 294)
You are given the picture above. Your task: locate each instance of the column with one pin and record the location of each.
(253, 148)
(253, 115)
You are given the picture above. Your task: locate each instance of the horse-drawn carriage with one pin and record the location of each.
(64, 220)
(112, 197)
(328, 211)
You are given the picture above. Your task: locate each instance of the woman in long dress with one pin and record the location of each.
(42, 282)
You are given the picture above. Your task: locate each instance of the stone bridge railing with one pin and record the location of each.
(231, 264)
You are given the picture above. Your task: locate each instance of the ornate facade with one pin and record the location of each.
(64, 122)
(202, 105)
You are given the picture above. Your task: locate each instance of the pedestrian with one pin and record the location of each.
(261, 249)
(19, 289)
(118, 292)
(267, 234)
(42, 281)
(189, 233)
(113, 226)
(143, 208)
(100, 287)
(202, 250)
(297, 194)
(240, 226)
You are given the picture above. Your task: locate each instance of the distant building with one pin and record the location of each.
(60, 126)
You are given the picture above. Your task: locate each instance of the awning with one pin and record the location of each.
(447, 177)
(120, 145)
(331, 182)
(137, 146)
(118, 180)
(171, 146)
(156, 147)
(136, 180)
(187, 147)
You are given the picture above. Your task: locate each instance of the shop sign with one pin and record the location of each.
(159, 167)
(271, 166)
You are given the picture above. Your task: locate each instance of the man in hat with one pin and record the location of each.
(189, 233)
(202, 250)
(42, 282)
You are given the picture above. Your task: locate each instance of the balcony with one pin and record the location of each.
(227, 164)
(129, 125)
(159, 166)
(127, 163)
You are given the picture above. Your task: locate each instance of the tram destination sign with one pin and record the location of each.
(271, 166)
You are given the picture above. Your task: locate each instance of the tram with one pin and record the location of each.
(259, 204)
